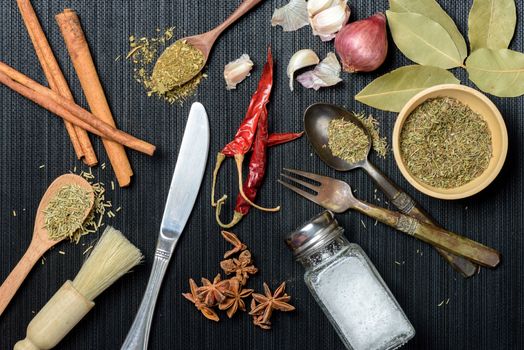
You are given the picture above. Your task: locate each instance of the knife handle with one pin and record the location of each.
(138, 335)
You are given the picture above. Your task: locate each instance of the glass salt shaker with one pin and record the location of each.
(348, 288)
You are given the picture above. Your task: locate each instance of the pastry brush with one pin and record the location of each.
(112, 257)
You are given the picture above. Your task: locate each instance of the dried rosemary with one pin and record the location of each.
(347, 141)
(65, 213)
(445, 144)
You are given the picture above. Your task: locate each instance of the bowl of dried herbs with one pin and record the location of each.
(450, 141)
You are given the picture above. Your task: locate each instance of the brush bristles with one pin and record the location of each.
(112, 257)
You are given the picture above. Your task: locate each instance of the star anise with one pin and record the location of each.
(257, 319)
(238, 246)
(213, 293)
(193, 297)
(241, 267)
(234, 297)
(269, 302)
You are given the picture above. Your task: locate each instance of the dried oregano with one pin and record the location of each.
(445, 144)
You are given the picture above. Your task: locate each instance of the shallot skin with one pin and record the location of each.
(363, 45)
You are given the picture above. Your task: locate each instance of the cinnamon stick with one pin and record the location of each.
(68, 110)
(79, 138)
(85, 69)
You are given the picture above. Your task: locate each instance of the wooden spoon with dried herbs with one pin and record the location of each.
(63, 209)
(184, 59)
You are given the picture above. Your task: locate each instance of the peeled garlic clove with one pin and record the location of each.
(301, 59)
(328, 22)
(292, 16)
(237, 70)
(327, 73)
(316, 6)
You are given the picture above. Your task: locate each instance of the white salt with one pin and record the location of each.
(360, 306)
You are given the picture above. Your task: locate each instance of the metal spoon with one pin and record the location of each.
(316, 121)
(41, 242)
(205, 41)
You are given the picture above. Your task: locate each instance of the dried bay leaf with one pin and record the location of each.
(432, 10)
(498, 72)
(391, 91)
(423, 40)
(492, 24)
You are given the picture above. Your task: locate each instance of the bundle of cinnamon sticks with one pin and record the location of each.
(59, 100)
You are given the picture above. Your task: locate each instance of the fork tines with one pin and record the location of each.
(290, 179)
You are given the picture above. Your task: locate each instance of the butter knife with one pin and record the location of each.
(189, 171)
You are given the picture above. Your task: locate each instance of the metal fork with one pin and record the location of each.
(337, 196)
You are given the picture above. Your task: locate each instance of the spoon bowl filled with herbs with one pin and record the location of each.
(450, 141)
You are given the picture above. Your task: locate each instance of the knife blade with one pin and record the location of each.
(183, 192)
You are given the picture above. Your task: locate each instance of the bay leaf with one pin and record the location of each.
(423, 40)
(391, 91)
(498, 72)
(492, 24)
(432, 10)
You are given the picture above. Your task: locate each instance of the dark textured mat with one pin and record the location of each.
(485, 312)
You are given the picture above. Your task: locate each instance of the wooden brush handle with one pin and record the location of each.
(407, 205)
(436, 236)
(20, 272)
(61, 313)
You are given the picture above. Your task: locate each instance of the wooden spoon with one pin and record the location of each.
(204, 42)
(41, 241)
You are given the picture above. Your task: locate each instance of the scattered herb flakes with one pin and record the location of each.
(380, 144)
(445, 144)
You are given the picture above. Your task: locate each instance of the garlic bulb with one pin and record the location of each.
(237, 70)
(326, 73)
(291, 16)
(316, 6)
(299, 60)
(327, 18)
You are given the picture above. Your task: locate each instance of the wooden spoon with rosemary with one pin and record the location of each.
(42, 240)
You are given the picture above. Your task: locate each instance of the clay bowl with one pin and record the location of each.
(479, 103)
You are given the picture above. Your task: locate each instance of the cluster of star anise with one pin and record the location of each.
(229, 294)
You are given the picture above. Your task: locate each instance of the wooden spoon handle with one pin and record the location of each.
(241, 10)
(17, 276)
(436, 236)
(407, 205)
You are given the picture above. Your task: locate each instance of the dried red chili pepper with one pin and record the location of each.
(280, 138)
(254, 179)
(243, 139)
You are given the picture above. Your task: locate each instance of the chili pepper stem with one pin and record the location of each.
(220, 160)
(236, 216)
(239, 159)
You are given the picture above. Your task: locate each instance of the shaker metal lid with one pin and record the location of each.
(314, 232)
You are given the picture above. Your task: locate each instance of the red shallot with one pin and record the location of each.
(363, 45)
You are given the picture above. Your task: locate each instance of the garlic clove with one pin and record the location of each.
(292, 16)
(328, 22)
(326, 73)
(301, 59)
(237, 70)
(316, 6)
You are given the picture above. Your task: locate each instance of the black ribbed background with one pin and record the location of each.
(485, 312)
